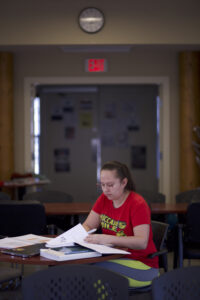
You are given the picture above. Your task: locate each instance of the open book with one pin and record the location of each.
(77, 235)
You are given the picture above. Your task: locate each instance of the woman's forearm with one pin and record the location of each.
(131, 242)
(86, 227)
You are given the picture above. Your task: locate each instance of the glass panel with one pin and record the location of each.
(36, 136)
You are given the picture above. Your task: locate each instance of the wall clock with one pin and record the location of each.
(91, 20)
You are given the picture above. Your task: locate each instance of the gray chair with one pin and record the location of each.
(160, 230)
(49, 196)
(178, 284)
(75, 282)
(62, 222)
(4, 196)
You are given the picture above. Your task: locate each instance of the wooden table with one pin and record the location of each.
(39, 260)
(83, 208)
(73, 208)
(20, 185)
(169, 208)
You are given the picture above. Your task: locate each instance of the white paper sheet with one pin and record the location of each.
(68, 238)
(103, 249)
(23, 240)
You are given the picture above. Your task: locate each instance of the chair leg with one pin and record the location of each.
(165, 262)
(180, 246)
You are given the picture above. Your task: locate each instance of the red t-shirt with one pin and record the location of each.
(120, 221)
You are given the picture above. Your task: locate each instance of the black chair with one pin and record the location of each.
(188, 239)
(188, 196)
(4, 196)
(62, 222)
(154, 197)
(22, 217)
(75, 282)
(151, 196)
(178, 284)
(160, 231)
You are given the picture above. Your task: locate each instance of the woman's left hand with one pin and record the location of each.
(97, 239)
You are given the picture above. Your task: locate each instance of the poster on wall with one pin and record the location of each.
(56, 113)
(70, 118)
(86, 105)
(62, 160)
(138, 157)
(86, 120)
(86, 114)
(131, 114)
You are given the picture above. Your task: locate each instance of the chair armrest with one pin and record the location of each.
(158, 253)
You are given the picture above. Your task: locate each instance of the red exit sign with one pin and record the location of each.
(96, 65)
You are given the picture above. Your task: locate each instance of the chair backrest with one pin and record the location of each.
(4, 196)
(49, 196)
(75, 282)
(192, 229)
(188, 196)
(152, 197)
(178, 284)
(22, 217)
(160, 230)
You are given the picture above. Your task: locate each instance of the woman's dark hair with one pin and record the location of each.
(122, 172)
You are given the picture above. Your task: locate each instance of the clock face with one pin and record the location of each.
(91, 20)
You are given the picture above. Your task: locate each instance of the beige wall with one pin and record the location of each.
(153, 24)
(140, 62)
(28, 22)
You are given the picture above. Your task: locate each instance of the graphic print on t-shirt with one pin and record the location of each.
(113, 225)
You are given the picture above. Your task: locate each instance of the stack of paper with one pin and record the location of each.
(68, 253)
(23, 240)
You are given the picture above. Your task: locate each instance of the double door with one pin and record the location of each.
(84, 126)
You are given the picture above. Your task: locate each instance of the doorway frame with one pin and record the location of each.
(163, 82)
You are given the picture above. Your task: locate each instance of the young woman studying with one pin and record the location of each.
(125, 220)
